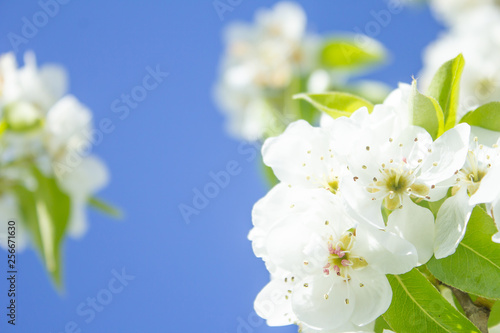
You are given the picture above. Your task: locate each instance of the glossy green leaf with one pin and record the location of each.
(445, 88)
(348, 53)
(418, 307)
(336, 104)
(486, 116)
(475, 266)
(105, 208)
(426, 112)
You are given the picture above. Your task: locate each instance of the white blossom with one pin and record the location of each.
(49, 129)
(260, 61)
(475, 183)
(328, 270)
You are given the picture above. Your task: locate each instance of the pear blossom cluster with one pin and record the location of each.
(352, 205)
(268, 61)
(474, 30)
(260, 62)
(44, 127)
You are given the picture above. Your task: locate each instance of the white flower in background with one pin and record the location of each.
(90, 176)
(452, 12)
(480, 79)
(476, 182)
(393, 165)
(49, 129)
(328, 271)
(259, 64)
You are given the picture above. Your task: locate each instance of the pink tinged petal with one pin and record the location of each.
(373, 295)
(451, 224)
(449, 152)
(314, 309)
(273, 303)
(416, 225)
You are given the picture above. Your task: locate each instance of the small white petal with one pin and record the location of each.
(451, 223)
(416, 225)
(312, 308)
(373, 295)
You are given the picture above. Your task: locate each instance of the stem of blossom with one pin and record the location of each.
(478, 312)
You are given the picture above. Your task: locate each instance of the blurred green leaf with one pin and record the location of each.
(445, 88)
(46, 212)
(346, 53)
(475, 266)
(426, 112)
(105, 208)
(486, 116)
(494, 319)
(336, 104)
(418, 307)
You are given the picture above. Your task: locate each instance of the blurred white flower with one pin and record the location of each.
(478, 38)
(452, 12)
(328, 270)
(47, 128)
(259, 63)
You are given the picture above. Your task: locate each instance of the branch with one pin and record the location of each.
(476, 312)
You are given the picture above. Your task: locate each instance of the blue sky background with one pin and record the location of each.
(196, 277)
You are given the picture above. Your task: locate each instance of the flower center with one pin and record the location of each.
(333, 185)
(340, 258)
(471, 175)
(394, 183)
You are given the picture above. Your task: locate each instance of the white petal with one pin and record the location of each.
(311, 307)
(373, 295)
(384, 251)
(359, 204)
(451, 223)
(488, 190)
(273, 305)
(416, 225)
(286, 243)
(299, 156)
(449, 152)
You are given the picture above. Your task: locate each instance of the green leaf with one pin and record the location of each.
(381, 325)
(46, 212)
(426, 112)
(475, 266)
(486, 116)
(335, 104)
(418, 307)
(494, 319)
(445, 88)
(105, 208)
(346, 53)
